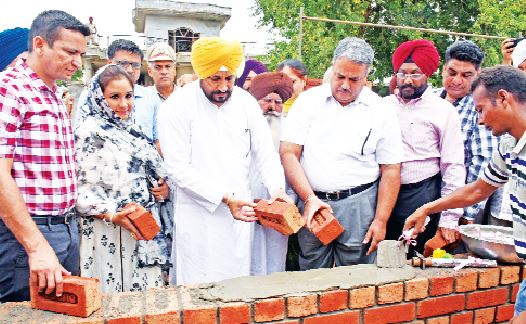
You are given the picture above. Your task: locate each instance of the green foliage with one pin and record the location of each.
(493, 17)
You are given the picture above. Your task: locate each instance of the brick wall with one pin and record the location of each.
(434, 296)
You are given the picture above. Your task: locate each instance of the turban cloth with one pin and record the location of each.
(423, 53)
(519, 53)
(12, 42)
(210, 54)
(269, 82)
(250, 65)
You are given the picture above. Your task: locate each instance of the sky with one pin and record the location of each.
(241, 26)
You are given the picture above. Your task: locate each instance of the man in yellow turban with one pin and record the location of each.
(210, 131)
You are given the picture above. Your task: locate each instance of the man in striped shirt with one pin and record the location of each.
(499, 94)
(39, 238)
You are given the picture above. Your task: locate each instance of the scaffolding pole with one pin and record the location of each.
(300, 36)
(427, 30)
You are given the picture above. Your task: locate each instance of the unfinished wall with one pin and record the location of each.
(432, 296)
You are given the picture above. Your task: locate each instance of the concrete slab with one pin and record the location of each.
(286, 283)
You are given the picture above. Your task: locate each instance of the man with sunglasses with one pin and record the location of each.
(433, 148)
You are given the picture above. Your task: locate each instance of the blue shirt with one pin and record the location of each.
(147, 105)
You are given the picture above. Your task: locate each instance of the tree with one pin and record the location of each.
(320, 39)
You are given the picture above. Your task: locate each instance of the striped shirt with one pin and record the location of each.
(509, 165)
(35, 131)
(479, 145)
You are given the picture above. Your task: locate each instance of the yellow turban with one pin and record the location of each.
(210, 54)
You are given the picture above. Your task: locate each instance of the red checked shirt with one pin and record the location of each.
(35, 131)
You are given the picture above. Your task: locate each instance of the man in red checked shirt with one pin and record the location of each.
(39, 239)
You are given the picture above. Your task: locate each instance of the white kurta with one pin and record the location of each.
(207, 151)
(269, 247)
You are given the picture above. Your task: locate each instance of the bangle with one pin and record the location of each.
(111, 217)
(309, 198)
(103, 217)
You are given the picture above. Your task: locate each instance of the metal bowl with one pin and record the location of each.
(490, 242)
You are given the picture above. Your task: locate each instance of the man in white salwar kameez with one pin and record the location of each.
(209, 132)
(269, 247)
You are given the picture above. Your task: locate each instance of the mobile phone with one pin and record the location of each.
(515, 42)
(154, 184)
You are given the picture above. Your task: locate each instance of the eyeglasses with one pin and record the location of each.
(125, 64)
(414, 76)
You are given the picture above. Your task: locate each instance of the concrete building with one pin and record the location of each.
(179, 23)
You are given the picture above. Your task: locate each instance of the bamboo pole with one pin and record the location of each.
(300, 36)
(428, 30)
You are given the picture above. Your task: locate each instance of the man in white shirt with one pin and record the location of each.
(161, 68)
(210, 131)
(346, 140)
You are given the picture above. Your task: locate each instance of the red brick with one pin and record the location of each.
(301, 306)
(509, 274)
(440, 286)
(270, 309)
(487, 298)
(333, 300)
(162, 306)
(201, 315)
(362, 297)
(125, 308)
(390, 293)
(437, 242)
(125, 320)
(523, 273)
(484, 315)
(143, 221)
(438, 320)
(389, 314)
(81, 297)
(439, 306)
(280, 215)
(416, 289)
(489, 278)
(504, 313)
(462, 318)
(514, 291)
(352, 317)
(466, 281)
(325, 226)
(234, 313)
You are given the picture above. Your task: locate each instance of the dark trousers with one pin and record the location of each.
(409, 199)
(14, 269)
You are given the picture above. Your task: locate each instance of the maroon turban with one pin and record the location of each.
(422, 51)
(269, 82)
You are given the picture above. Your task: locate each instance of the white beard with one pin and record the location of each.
(274, 123)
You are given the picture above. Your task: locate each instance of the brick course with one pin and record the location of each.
(410, 301)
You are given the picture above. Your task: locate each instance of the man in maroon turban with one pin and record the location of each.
(269, 248)
(432, 139)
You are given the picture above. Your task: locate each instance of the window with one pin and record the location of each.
(182, 39)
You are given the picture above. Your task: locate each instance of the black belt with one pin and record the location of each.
(342, 194)
(54, 220)
(419, 183)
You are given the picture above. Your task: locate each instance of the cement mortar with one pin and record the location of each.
(287, 283)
